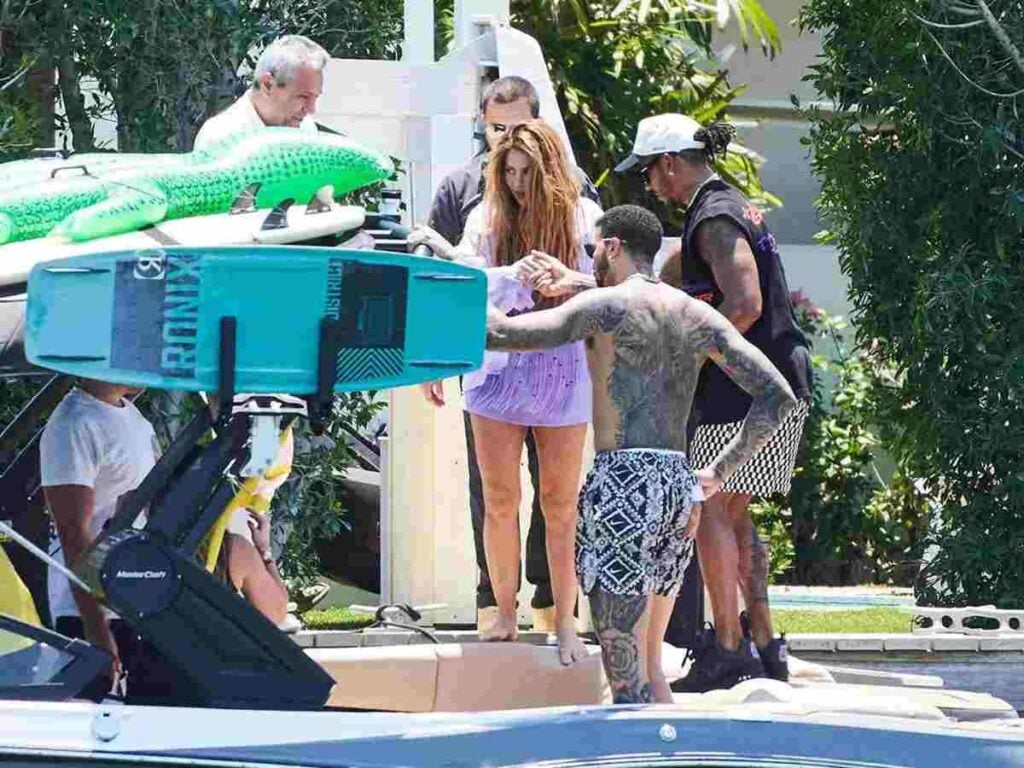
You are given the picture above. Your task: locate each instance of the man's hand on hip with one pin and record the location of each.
(710, 483)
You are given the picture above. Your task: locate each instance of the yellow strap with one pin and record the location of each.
(259, 504)
(247, 497)
(15, 601)
(215, 539)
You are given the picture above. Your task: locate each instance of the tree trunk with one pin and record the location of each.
(40, 82)
(62, 56)
(74, 104)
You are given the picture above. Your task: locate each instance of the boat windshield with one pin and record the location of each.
(27, 661)
(38, 663)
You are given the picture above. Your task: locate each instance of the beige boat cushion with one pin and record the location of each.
(460, 677)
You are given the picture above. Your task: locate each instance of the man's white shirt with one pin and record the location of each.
(238, 120)
(91, 443)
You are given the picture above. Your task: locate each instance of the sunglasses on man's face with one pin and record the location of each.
(645, 172)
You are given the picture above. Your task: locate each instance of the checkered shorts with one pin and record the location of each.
(770, 471)
(634, 509)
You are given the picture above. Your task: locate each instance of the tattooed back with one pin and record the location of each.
(644, 371)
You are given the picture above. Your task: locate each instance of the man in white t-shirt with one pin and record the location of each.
(288, 80)
(96, 447)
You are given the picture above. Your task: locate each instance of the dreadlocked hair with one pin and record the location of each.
(716, 138)
(546, 222)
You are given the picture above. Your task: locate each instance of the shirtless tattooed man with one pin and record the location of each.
(639, 508)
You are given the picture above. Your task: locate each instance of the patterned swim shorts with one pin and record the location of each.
(633, 513)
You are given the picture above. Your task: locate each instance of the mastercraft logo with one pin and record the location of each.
(141, 574)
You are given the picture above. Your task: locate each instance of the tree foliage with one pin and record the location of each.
(164, 66)
(922, 166)
(19, 111)
(849, 525)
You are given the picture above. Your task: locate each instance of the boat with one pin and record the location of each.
(253, 696)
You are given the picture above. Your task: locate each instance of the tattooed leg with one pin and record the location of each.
(753, 570)
(621, 624)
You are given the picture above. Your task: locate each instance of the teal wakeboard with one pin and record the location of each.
(152, 318)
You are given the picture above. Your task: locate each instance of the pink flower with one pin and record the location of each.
(803, 304)
(754, 215)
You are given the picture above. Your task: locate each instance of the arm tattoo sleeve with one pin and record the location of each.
(615, 619)
(582, 316)
(726, 250)
(772, 398)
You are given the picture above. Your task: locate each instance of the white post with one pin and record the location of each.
(468, 14)
(419, 32)
(386, 589)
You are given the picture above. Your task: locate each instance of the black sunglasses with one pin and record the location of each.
(645, 169)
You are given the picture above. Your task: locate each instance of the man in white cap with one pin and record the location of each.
(728, 258)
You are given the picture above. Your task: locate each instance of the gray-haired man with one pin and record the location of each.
(286, 84)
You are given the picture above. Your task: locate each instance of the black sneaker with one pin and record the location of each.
(775, 659)
(748, 637)
(714, 667)
(773, 656)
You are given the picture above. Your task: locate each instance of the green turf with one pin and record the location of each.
(853, 621)
(335, 618)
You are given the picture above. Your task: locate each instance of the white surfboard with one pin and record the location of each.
(296, 225)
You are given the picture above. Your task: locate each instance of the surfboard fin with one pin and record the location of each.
(278, 217)
(318, 205)
(246, 200)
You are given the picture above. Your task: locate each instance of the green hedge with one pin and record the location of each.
(922, 168)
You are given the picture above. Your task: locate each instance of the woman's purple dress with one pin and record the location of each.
(549, 388)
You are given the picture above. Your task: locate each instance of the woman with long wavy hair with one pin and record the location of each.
(531, 204)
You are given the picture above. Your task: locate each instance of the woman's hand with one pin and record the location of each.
(433, 391)
(259, 528)
(434, 240)
(547, 275)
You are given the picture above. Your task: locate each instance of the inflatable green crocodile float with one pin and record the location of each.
(268, 167)
(21, 173)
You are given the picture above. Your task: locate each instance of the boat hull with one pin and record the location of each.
(84, 734)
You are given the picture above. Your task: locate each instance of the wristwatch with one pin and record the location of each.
(267, 557)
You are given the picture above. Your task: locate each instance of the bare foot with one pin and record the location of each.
(505, 627)
(570, 647)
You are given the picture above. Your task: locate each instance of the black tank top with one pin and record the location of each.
(776, 332)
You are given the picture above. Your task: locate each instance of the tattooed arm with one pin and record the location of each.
(597, 311)
(722, 245)
(746, 365)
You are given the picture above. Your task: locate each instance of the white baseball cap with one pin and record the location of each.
(659, 134)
